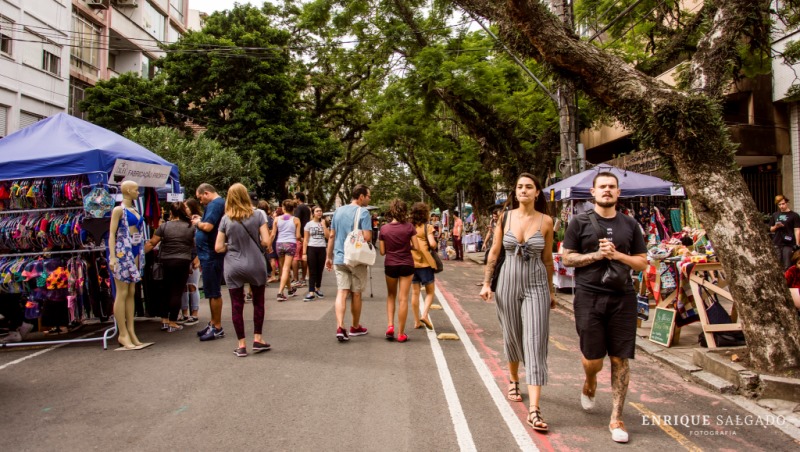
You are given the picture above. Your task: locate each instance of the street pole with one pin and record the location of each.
(567, 106)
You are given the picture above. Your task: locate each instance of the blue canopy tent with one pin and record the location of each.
(63, 145)
(632, 185)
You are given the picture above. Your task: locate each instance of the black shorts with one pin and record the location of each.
(606, 324)
(397, 271)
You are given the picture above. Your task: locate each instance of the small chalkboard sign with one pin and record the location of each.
(663, 326)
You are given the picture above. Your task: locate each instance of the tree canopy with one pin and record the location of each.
(199, 159)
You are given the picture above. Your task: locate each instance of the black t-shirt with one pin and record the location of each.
(303, 213)
(581, 237)
(785, 236)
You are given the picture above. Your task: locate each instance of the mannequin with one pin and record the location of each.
(126, 262)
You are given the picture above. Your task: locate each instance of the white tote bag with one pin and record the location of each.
(357, 250)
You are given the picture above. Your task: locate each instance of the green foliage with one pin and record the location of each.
(130, 101)
(199, 159)
(237, 77)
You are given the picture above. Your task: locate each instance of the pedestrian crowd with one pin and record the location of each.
(252, 246)
(249, 246)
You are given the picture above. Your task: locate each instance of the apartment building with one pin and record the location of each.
(758, 123)
(784, 77)
(34, 61)
(51, 51)
(111, 37)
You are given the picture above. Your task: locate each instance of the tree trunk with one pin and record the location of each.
(686, 129)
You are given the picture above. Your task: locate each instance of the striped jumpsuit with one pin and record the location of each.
(523, 305)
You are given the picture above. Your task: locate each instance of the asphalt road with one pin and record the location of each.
(312, 393)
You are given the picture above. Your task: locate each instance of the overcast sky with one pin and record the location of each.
(209, 6)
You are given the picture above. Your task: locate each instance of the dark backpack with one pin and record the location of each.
(718, 315)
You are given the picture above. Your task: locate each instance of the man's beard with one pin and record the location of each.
(606, 203)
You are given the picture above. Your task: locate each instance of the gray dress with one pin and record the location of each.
(244, 261)
(523, 305)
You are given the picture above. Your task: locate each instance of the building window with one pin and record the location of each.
(5, 36)
(176, 10)
(5, 43)
(3, 121)
(148, 68)
(154, 22)
(86, 43)
(51, 63)
(77, 92)
(27, 119)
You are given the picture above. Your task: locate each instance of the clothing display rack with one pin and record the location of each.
(41, 243)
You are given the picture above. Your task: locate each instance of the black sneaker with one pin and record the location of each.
(240, 352)
(293, 292)
(213, 334)
(191, 321)
(309, 297)
(319, 294)
(259, 347)
(205, 330)
(282, 297)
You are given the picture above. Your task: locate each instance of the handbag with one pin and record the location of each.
(357, 250)
(438, 265)
(98, 201)
(500, 260)
(617, 275)
(157, 270)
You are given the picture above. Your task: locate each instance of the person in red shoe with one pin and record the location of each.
(396, 239)
(349, 280)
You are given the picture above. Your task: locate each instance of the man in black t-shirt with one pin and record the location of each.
(785, 225)
(604, 317)
(303, 213)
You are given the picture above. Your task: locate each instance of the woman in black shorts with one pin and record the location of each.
(396, 241)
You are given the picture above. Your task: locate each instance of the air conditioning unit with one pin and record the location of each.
(98, 4)
(126, 3)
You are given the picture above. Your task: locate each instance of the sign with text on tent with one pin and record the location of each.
(144, 174)
(676, 190)
(565, 192)
(174, 197)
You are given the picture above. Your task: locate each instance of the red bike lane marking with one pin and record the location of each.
(495, 361)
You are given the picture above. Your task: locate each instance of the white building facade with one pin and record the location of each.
(34, 61)
(51, 51)
(112, 37)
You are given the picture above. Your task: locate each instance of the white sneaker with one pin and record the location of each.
(618, 433)
(587, 402)
(13, 336)
(24, 329)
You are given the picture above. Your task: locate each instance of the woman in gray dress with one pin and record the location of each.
(242, 234)
(524, 289)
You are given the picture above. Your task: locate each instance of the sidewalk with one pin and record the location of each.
(711, 369)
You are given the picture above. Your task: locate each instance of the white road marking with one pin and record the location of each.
(515, 425)
(463, 434)
(41, 352)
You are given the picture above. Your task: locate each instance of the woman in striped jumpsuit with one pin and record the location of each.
(524, 289)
